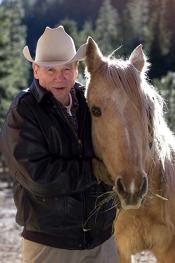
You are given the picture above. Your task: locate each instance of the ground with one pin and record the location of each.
(10, 250)
(10, 231)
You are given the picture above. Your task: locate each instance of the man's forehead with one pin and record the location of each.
(70, 65)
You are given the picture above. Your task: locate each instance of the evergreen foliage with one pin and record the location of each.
(110, 22)
(136, 21)
(158, 37)
(147, 24)
(166, 86)
(13, 72)
(115, 23)
(107, 25)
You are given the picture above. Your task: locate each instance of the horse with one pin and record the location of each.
(132, 139)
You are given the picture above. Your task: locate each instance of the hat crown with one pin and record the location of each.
(55, 45)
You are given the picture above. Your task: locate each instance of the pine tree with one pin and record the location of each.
(107, 28)
(148, 25)
(70, 27)
(86, 31)
(166, 86)
(170, 20)
(158, 34)
(135, 22)
(158, 38)
(13, 70)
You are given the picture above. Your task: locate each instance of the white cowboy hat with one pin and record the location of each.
(55, 47)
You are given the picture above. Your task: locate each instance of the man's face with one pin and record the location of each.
(58, 80)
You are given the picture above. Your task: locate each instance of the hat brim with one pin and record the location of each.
(80, 55)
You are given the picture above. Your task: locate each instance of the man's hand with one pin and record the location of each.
(101, 172)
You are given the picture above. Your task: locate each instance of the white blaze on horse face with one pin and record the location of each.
(132, 187)
(121, 100)
(122, 103)
(127, 136)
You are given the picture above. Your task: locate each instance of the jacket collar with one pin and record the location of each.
(37, 91)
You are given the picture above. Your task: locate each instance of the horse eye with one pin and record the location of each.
(96, 111)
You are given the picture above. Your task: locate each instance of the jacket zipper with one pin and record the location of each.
(72, 129)
(64, 117)
(84, 220)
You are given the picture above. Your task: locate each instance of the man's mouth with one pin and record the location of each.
(59, 88)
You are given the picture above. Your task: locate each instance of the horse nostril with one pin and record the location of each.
(120, 187)
(144, 186)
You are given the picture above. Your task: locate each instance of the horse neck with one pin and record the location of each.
(161, 175)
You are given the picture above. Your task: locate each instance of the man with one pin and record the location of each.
(46, 140)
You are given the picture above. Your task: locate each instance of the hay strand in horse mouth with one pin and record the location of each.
(159, 196)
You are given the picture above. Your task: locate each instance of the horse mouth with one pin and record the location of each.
(131, 197)
(131, 203)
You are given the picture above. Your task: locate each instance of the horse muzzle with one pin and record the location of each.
(131, 195)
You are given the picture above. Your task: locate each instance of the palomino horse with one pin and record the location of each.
(131, 137)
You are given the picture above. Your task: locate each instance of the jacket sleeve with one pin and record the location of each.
(37, 170)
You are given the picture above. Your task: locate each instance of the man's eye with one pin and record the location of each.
(50, 69)
(96, 111)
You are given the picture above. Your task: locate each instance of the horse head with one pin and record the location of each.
(119, 120)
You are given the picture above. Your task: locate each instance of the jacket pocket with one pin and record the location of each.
(73, 210)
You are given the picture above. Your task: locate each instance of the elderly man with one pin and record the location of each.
(46, 141)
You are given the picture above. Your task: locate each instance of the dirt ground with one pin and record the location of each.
(10, 251)
(9, 230)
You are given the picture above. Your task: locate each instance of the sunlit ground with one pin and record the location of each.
(10, 231)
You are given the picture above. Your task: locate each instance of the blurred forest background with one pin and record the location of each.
(112, 23)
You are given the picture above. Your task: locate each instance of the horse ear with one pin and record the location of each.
(137, 58)
(94, 56)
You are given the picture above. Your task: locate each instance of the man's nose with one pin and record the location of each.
(59, 76)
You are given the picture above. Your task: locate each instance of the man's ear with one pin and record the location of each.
(77, 65)
(35, 68)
